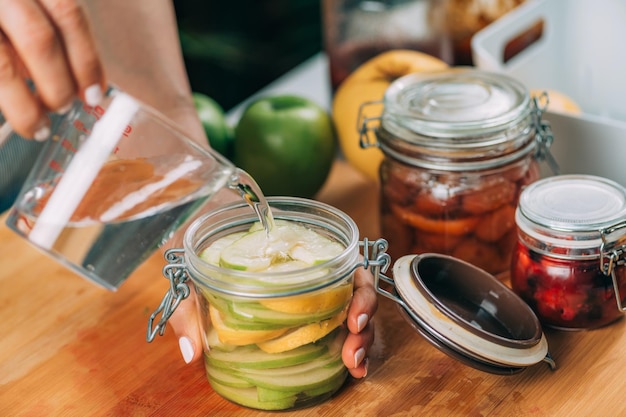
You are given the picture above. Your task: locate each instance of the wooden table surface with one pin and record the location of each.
(69, 348)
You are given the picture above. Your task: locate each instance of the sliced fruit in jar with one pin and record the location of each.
(267, 394)
(287, 241)
(212, 253)
(251, 357)
(303, 335)
(318, 303)
(436, 242)
(245, 315)
(226, 377)
(256, 312)
(437, 201)
(237, 336)
(493, 226)
(314, 248)
(329, 358)
(249, 397)
(490, 197)
(330, 386)
(314, 378)
(458, 226)
(254, 251)
(214, 342)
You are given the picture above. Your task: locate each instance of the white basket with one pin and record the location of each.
(581, 54)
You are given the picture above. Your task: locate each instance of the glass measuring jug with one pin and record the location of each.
(111, 185)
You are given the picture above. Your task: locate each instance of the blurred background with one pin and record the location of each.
(234, 48)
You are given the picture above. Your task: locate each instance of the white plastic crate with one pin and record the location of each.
(581, 53)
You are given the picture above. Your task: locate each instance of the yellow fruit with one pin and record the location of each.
(303, 335)
(558, 102)
(368, 83)
(240, 337)
(324, 300)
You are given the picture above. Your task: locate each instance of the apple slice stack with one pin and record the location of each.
(280, 352)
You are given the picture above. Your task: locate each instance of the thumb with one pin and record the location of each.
(185, 324)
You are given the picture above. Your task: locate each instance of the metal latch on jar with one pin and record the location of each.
(543, 136)
(176, 272)
(364, 128)
(612, 258)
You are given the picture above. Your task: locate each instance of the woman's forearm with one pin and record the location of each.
(138, 42)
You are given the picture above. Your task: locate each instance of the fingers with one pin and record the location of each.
(361, 336)
(186, 327)
(48, 41)
(355, 351)
(17, 103)
(80, 47)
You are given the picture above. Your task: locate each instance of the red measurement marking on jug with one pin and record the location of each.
(96, 111)
(55, 166)
(68, 145)
(80, 126)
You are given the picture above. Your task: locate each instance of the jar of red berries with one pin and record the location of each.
(568, 264)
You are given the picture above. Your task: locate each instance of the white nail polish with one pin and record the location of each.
(186, 348)
(359, 355)
(65, 108)
(42, 134)
(361, 321)
(93, 95)
(367, 367)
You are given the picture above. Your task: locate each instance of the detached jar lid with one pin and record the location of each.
(468, 314)
(454, 102)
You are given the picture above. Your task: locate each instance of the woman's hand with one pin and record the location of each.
(355, 348)
(360, 323)
(50, 43)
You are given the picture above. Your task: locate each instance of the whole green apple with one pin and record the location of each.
(287, 144)
(216, 127)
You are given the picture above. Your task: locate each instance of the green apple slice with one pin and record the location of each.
(307, 379)
(287, 241)
(314, 249)
(329, 388)
(249, 397)
(251, 357)
(255, 251)
(254, 312)
(288, 372)
(224, 377)
(212, 253)
(266, 394)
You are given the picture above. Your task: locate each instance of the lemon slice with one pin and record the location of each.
(303, 335)
(240, 337)
(315, 303)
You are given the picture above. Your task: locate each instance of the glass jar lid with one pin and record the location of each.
(454, 102)
(468, 314)
(571, 210)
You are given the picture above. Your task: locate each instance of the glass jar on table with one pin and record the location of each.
(459, 145)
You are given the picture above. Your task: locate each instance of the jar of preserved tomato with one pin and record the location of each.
(568, 264)
(459, 146)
